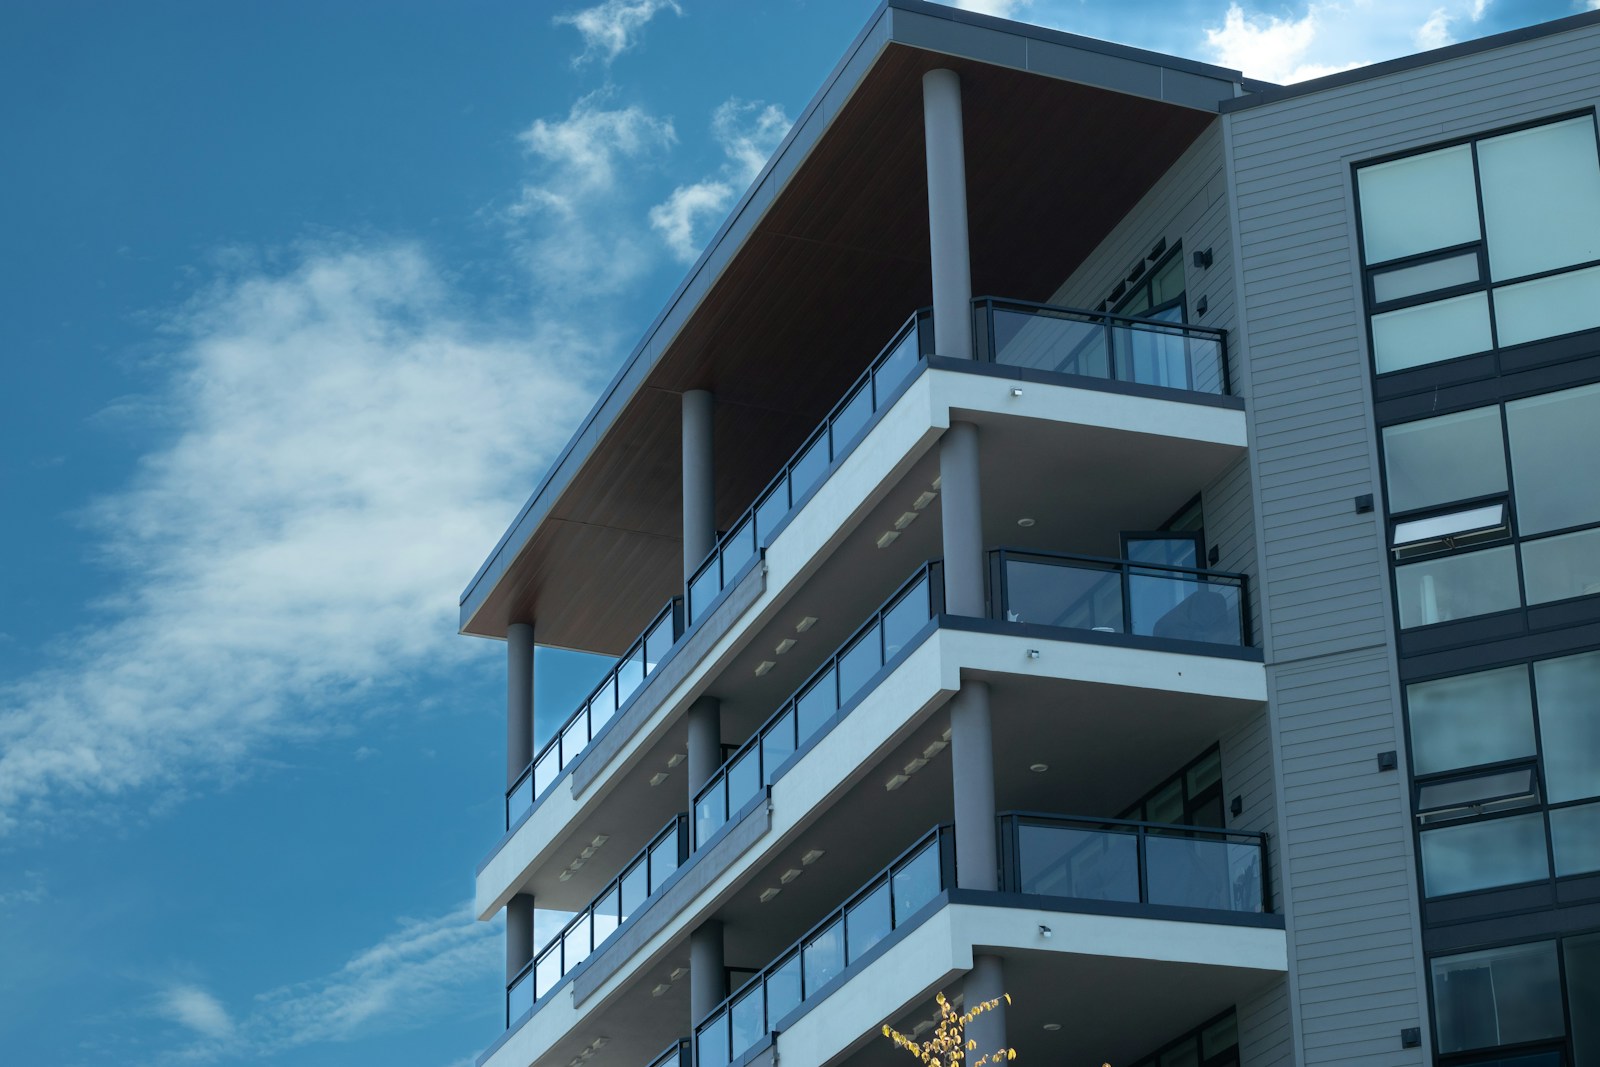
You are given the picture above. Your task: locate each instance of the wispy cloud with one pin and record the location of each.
(570, 221)
(194, 1008)
(611, 28)
(343, 439)
(748, 133)
(1006, 9)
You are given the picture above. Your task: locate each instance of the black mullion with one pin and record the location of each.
(1483, 235)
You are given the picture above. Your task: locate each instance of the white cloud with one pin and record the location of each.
(194, 1008)
(748, 133)
(344, 441)
(611, 28)
(1328, 36)
(1006, 9)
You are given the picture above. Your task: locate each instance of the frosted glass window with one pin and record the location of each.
(1575, 833)
(1541, 198)
(1482, 855)
(1425, 277)
(1555, 457)
(1501, 996)
(1418, 204)
(1457, 587)
(1556, 568)
(1548, 307)
(1430, 333)
(1440, 460)
(1569, 722)
(1470, 720)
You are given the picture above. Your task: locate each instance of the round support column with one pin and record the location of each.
(985, 982)
(699, 504)
(519, 700)
(972, 779)
(519, 934)
(708, 973)
(947, 214)
(962, 519)
(705, 744)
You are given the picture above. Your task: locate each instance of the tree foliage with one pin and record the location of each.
(949, 1045)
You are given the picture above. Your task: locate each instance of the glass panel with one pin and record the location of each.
(744, 779)
(815, 707)
(635, 886)
(1065, 345)
(1183, 607)
(1541, 197)
(1547, 307)
(824, 957)
(1457, 587)
(520, 800)
(1549, 434)
(1569, 723)
(773, 507)
(1583, 997)
(1480, 855)
(575, 943)
(1560, 567)
(1500, 789)
(1471, 719)
(663, 861)
(905, 618)
(703, 590)
(1220, 1036)
(1206, 773)
(740, 548)
(712, 1042)
(545, 771)
(1202, 872)
(547, 971)
(1167, 284)
(867, 922)
(749, 1019)
(1425, 277)
(777, 745)
(1083, 598)
(1166, 806)
(1061, 861)
(1429, 333)
(895, 368)
(783, 989)
(658, 643)
(1472, 524)
(916, 882)
(1498, 997)
(857, 664)
(852, 419)
(1575, 836)
(1181, 551)
(1418, 204)
(710, 812)
(1150, 355)
(574, 737)
(630, 675)
(808, 469)
(519, 998)
(606, 913)
(1451, 457)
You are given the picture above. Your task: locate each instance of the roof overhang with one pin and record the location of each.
(817, 265)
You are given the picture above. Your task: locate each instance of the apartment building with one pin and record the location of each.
(1097, 528)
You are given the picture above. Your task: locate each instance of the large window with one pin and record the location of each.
(1495, 507)
(1490, 243)
(1506, 767)
(1542, 999)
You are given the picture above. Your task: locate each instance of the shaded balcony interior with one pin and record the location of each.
(816, 287)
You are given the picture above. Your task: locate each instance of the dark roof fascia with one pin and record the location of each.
(1274, 94)
(929, 26)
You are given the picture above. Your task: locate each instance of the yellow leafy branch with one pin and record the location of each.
(949, 1046)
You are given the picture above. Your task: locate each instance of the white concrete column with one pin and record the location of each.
(519, 934)
(962, 519)
(519, 699)
(708, 972)
(947, 214)
(986, 981)
(972, 778)
(699, 503)
(705, 744)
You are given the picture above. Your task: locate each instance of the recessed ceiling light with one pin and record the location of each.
(934, 749)
(924, 500)
(813, 856)
(600, 1042)
(600, 839)
(785, 645)
(805, 624)
(889, 537)
(589, 851)
(1038, 768)
(769, 892)
(915, 765)
(660, 989)
(764, 666)
(946, 734)
(790, 875)
(679, 972)
(656, 779)
(564, 875)
(677, 758)
(937, 482)
(575, 864)
(896, 782)
(1025, 522)
(905, 519)
(1052, 1026)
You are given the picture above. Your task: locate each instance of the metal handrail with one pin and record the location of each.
(579, 728)
(750, 524)
(930, 573)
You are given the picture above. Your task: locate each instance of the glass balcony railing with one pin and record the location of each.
(641, 878)
(829, 442)
(1120, 596)
(838, 942)
(675, 1055)
(1098, 345)
(1134, 862)
(620, 683)
(743, 776)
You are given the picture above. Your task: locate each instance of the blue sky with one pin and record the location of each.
(301, 300)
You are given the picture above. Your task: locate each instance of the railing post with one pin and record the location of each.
(1144, 866)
